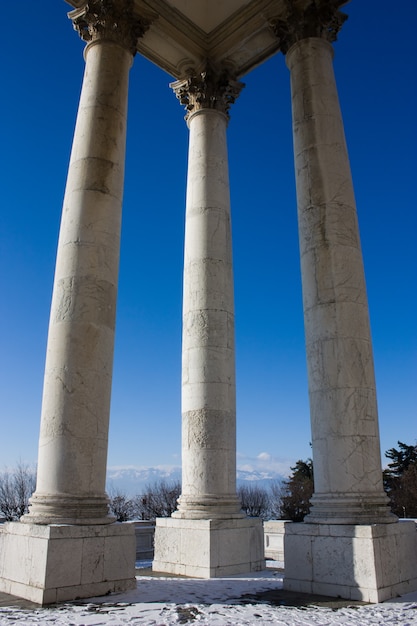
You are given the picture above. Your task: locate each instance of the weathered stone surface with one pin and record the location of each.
(274, 532)
(48, 564)
(345, 436)
(208, 355)
(78, 372)
(207, 548)
(68, 546)
(208, 536)
(367, 562)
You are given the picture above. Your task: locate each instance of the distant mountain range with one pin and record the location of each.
(134, 480)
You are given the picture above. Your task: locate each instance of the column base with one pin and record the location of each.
(352, 509)
(209, 507)
(208, 548)
(372, 562)
(55, 563)
(66, 509)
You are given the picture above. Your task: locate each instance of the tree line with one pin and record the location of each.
(288, 499)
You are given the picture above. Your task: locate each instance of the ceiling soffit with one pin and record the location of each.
(186, 34)
(207, 14)
(179, 45)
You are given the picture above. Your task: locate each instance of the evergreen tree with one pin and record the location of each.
(400, 479)
(297, 491)
(401, 459)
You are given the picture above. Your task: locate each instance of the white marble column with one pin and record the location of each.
(76, 399)
(208, 536)
(345, 437)
(208, 350)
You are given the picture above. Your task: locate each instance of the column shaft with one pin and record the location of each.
(78, 373)
(208, 536)
(208, 353)
(345, 438)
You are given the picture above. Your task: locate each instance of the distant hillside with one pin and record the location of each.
(133, 480)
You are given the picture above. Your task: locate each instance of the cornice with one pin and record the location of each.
(178, 46)
(240, 43)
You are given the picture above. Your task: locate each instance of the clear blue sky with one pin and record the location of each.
(376, 70)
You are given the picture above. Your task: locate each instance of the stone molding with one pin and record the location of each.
(173, 39)
(244, 39)
(321, 18)
(207, 90)
(109, 20)
(68, 509)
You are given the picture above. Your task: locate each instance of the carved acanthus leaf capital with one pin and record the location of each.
(110, 20)
(207, 90)
(321, 18)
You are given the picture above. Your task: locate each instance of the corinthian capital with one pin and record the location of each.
(111, 20)
(320, 18)
(207, 90)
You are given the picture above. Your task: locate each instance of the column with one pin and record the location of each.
(78, 373)
(208, 348)
(345, 437)
(208, 536)
(345, 547)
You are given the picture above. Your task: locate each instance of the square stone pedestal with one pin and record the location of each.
(48, 564)
(367, 562)
(208, 548)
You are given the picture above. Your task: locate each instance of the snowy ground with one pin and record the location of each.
(236, 601)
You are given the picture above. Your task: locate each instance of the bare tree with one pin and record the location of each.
(122, 507)
(255, 501)
(16, 487)
(159, 499)
(276, 493)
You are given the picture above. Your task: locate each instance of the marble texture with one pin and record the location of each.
(144, 533)
(67, 546)
(344, 420)
(208, 548)
(274, 532)
(208, 350)
(78, 373)
(54, 563)
(359, 562)
(208, 535)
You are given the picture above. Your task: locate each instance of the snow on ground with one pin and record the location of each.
(166, 601)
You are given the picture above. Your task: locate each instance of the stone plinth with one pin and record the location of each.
(274, 532)
(144, 533)
(208, 548)
(54, 563)
(370, 562)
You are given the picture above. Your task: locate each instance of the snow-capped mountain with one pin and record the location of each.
(258, 477)
(134, 480)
